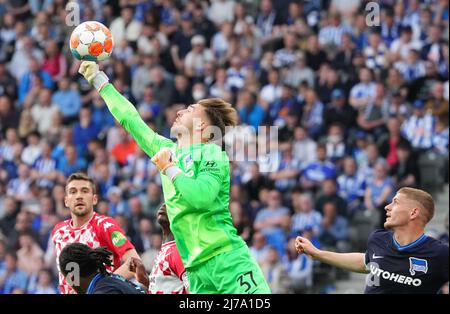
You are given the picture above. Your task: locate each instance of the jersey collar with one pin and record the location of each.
(93, 283)
(81, 227)
(399, 247)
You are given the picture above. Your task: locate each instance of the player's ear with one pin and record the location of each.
(95, 200)
(66, 202)
(415, 213)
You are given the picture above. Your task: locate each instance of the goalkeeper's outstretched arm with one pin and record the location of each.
(124, 111)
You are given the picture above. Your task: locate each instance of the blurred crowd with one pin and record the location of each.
(361, 107)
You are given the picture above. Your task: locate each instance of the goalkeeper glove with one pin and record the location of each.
(164, 161)
(90, 71)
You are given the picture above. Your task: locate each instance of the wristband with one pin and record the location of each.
(172, 172)
(100, 80)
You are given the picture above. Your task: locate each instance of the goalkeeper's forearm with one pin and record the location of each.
(349, 261)
(122, 110)
(200, 192)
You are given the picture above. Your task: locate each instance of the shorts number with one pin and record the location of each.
(244, 281)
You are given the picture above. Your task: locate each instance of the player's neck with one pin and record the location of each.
(186, 141)
(407, 236)
(85, 282)
(167, 237)
(80, 221)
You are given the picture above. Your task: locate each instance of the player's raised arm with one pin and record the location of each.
(354, 262)
(123, 111)
(201, 191)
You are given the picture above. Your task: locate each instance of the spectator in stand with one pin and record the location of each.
(20, 186)
(419, 128)
(339, 111)
(276, 273)
(305, 216)
(312, 117)
(84, 131)
(335, 144)
(380, 190)
(54, 62)
(314, 173)
(299, 267)
(9, 116)
(334, 229)
(329, 193)
(28, 80)
(273, 221)
(286, 176)
(44, 283)
(29, 251)
(259, 247)
(124, 148)
(250, 112)
(363, 92)
(42, 111)
(437, 104)
(304, 148)
(371, 156)
(125, 26)
(70, 162)
(299, 72)
(68, 100)
(195, 60)
(371, 118)
(351, 185)
(388, 142)
(406, 171)
(12, 279)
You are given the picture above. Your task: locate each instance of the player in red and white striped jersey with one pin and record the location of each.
(168, 275)
(92, 229)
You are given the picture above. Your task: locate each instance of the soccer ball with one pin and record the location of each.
(91, 41)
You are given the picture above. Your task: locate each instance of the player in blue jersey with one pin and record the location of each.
(86, 268)
(401, 259)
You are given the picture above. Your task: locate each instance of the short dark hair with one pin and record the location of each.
(83, 177)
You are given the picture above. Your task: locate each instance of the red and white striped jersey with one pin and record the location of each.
(168, 275)
(99, 231)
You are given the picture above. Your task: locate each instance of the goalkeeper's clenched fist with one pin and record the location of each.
(165, 163)
(90, 71)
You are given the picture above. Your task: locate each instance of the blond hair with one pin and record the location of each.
(423, 198)
(219, 112)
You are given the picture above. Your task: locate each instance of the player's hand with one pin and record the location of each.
(163, 159)
(89, 69)
(91, 72)
(303, 245)
(135, 266)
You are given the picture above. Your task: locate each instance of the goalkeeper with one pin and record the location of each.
(195, 177)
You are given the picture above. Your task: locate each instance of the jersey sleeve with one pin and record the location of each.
(127, 115)
(114, 238)
(175, 262)
(201, 191)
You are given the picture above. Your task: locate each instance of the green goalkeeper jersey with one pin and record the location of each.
(197, 200)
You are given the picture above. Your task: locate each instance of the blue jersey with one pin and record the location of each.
(419, 267)
(113, 284)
